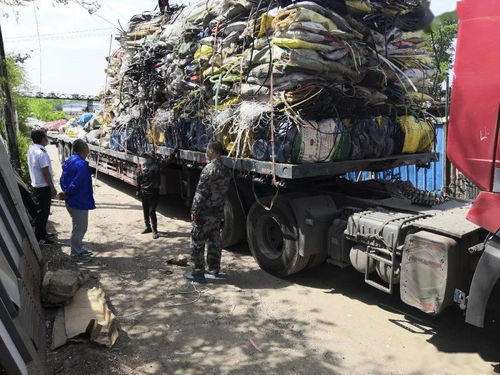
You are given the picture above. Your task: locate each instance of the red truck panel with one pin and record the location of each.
(486, 211)
(472, 135)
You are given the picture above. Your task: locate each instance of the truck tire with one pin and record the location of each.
(66, 152)
(233, 231)
(273, 238)
(316, 260)
(60, 152)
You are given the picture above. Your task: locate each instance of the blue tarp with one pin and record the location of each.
(84, 118)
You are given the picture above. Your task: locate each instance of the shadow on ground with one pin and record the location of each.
(249, 322)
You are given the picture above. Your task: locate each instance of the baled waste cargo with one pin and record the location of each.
(292, 82)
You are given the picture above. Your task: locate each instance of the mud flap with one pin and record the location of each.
(485, 277)
(314, 217)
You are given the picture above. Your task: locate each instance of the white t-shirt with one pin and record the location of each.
(38, 158)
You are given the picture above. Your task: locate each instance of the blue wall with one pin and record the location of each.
(423, 178)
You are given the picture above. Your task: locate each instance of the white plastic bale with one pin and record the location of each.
(318, 140)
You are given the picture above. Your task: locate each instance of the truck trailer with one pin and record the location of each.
(295, 216)
(311, 214)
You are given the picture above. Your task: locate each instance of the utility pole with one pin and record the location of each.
(10, 119)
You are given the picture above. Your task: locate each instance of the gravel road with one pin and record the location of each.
(325, 321)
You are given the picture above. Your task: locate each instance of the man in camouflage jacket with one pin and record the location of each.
(207, 214)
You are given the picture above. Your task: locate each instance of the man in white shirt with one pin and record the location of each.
(41, 179)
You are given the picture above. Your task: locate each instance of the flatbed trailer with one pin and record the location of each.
(266, 168)
(297, 216)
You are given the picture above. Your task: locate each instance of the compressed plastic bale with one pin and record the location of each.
(254, 91)
(336, 55)
(417, 19)
(290, 81)
(359, 5)
(369, 95)
(238, 27)
(93, 137)
(372, 138)
(317, 140)
(234, 9)
(262, 56)
(312, 60)
(227, 103)
(305, 36)
(312, 27)
(301, 44)
(74, 131)
(156, 135)
(342, 148)
(261, 27)
(286, 134)
(204, 52)
(260, 150)
(418, 97)
(196, 13)
(213, 70)
(174, 74)
(203, 141)
(389, 129)
(419, 135)
(360, 141)
(329, 10)
(286, 17)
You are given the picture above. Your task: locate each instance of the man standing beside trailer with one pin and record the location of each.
(41, 175)
(76, 184)
(207, 214)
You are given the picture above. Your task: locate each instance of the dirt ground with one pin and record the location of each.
(325, 321)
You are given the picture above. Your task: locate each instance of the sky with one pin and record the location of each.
(74, 44)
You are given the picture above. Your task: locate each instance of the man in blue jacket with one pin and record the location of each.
(76, 185)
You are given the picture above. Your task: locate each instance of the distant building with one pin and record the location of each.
(77, 108)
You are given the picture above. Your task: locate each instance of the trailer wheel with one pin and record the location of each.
(273, 238)
(233, 231)
(60, 152)
(66, 152)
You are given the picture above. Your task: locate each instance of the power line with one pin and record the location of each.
(113, 9)
(95, 14)
(61, 37)
(48, 35)
(39, 42)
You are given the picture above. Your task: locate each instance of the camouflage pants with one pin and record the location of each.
(207, 231)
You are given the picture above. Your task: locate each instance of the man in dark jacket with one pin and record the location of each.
(76, 185)
(148, 189)
(207, 214)
(164, 6)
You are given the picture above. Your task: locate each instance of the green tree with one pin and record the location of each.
(442, 35)
(44, 109)
(19, 83)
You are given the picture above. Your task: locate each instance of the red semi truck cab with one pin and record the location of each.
(474, 138)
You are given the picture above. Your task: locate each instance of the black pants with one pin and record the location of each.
(149, 204)
(42, 198)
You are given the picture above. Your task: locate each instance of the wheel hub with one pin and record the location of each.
(271, 239)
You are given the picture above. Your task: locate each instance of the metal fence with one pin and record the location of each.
(22, 329)
(431, 177)
(460, 186)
